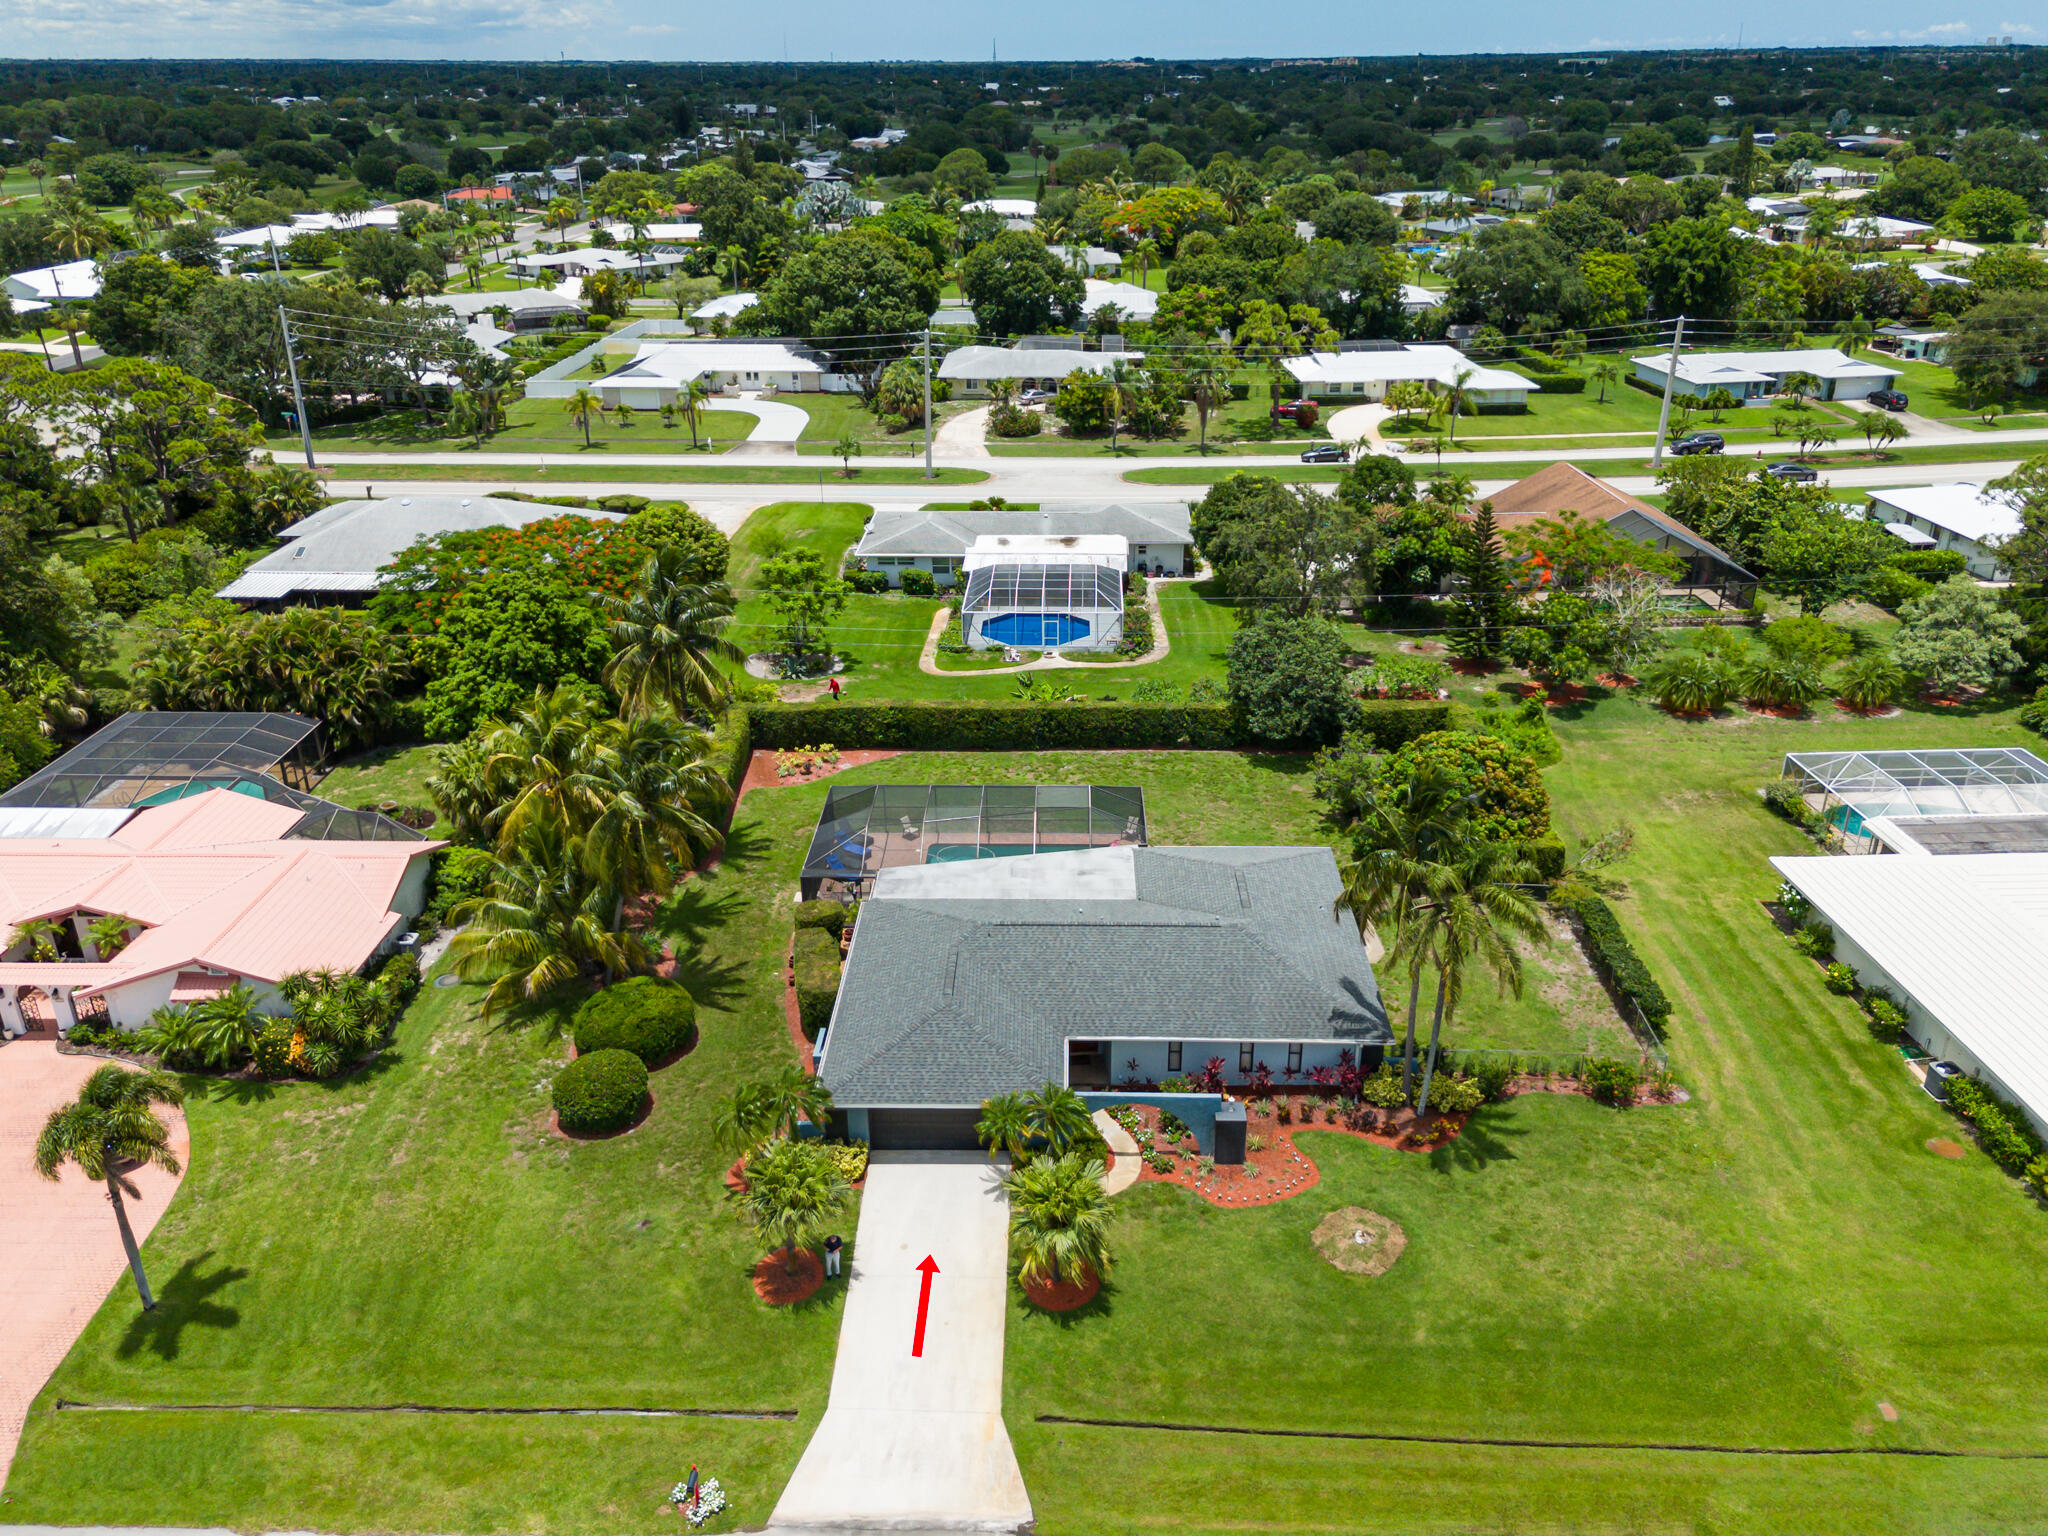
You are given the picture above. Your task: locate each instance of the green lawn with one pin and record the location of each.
(385, 773)
(1760, 1267)
(418, 1234)
(531, 426)
(593, 468)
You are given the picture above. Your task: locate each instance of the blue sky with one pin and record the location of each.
(946, 29)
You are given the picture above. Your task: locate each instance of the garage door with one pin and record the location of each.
(923, 1130)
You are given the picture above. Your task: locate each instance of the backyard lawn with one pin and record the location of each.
(1762, 1267)
(531, 426)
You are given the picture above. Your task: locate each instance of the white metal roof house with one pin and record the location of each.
(1964, 517)
(1091, 259)
(1365, 375)
(585, 260)
(337, 554)
(661, 368)
(1134, 302)
(973, 369)
(67, 282)
(1755, 375)
(1416, 299)
(1157, 536)
(1044, 594)
(727, 306)
(1015, 212)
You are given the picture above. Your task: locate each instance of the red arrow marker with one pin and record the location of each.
(924, 1304)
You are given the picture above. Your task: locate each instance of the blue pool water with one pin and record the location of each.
(1037, 631)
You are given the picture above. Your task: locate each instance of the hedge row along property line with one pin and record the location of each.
(66, 1404)
(1549, 1445)
(814, 963)
(1026, 727)
(1617, 960)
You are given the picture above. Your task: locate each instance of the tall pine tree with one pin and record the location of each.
(1484, 601)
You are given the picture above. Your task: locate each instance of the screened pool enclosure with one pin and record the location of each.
(1075, 603)
(1850, 790)
(866, 828)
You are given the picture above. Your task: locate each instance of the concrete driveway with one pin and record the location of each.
(777, 425)
(918, 1443)
(63, 1249)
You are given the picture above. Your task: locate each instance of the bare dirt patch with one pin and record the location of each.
(1941, 1146)
(1358, 1241)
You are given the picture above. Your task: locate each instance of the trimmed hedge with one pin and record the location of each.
(815, 962)
(2002, 1128)
(600, 1092)
(832, 916)
(646, 1015)
(1031, 727)
(1617, 959)
(1547, 854)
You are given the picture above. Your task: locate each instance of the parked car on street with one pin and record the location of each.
(1791, 469)
(1326, 453)
(1889, 399)
(1698, 442)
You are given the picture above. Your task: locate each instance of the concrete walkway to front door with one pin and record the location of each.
(918, 1443)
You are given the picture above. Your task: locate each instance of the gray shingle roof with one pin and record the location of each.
(949, 533)
(949, 1001)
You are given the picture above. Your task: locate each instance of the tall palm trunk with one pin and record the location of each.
(128, 1242)
(1408, 1049)
(1436, 1029)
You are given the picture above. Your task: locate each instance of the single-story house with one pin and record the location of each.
(185, 824)
(686, 232)
(1135, 302)
(1091, 259)
(661, 368)
(1350, 377)
(1450, 229)
(527, 309)
(972, 369)
(1416, 299)
(1157, 535)
(1961, 941)
(66, 283)
(727, 306)
(1758, 375)
(1964, 517)
(1564, 487)
(1907, 341)
(1938, 277)
(1015, 212)
(1064, 593)
(337, 555)
(585, 260)
(1110, 966)
(1430, 198)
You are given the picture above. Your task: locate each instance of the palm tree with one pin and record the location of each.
(760, 1111)
(224, 1027)
(1145, 255)
(846, 450)
(467, 789)
(76, 232)
(691, 398)
(1434, 443)
(1605, 372)
(1772, 681)
(1060, 1118)
(1689, 682)
(794, 1190)
(37, 169)
(1475, 913)
(111, 1123)
(110, 934)
(732, 261)
(1800, 386)
(40, 935)
(1005, 1125)
(1870, 679)
(545, 923)
(1456, 394)
(1123, 382)
(1059, 1218)
(581, 407)
(667, 632)
(1405, 836)
(1854, 335)
(1208, 385)
(650, 774)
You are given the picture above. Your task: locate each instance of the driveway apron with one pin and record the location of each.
(918, 1443)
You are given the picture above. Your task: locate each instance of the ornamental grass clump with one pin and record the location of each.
(603, 1091)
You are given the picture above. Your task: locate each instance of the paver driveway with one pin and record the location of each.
(63, 1249)
(918, 1443)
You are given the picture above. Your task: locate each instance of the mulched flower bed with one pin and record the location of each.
(774, 1284)
(1277, 1170)
(1066, 1295)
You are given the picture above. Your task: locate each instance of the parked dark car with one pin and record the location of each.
(1791, 469)
(1888, 399)
(1326, 453)
(1698, 442)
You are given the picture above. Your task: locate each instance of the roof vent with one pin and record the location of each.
(405, 501)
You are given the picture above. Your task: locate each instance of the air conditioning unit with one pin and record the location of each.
(1938, 1075)
(408, 943)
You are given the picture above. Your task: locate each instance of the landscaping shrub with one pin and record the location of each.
(1887, 1020)
(1785, 799)
(1616, 959)
(732, 746)
(1547, 854)
(459, 874)
(918, 583)
(646, 1015)
(1007, 420)
(1510, 802)
(1455, 1095)
(832, 916)
(1891, 588)
(400, 976)
(1929, 564)
(1612, 1080)
(815, 962)
(850, 1158)
(1137, 635)
(872, 583)
(1840, 979)
(2002, 1128)
(1383, 1089)
(2034, 714)
(272, 1052)
(600, 1092)
(1493, 1076)
(1814, 939)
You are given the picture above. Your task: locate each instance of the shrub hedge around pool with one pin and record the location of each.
(600, 1092)
(646, 1015)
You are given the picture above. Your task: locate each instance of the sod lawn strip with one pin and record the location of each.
(592, 469)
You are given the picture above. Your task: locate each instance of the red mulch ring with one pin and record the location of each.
(1615, 680)
(1474, 666)
(774, 1283)
(792, 1016)
(646, 1109)
(1065, 1295)
(1941, 1146)
(1881, 712)
(1778, 711)
(1556, 695)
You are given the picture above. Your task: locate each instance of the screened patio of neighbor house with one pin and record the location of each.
(866, 828)
(1850, 790)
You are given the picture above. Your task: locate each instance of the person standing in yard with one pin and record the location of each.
(832, 1247)
(832, 683)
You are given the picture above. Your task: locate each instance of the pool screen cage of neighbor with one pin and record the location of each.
(866, 828)
(1847, 789)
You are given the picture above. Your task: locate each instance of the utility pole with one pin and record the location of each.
(928, 402)
(291, 364)
(1670, 378)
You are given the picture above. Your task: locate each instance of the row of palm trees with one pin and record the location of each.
(1059, 1214)
(587, 810)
